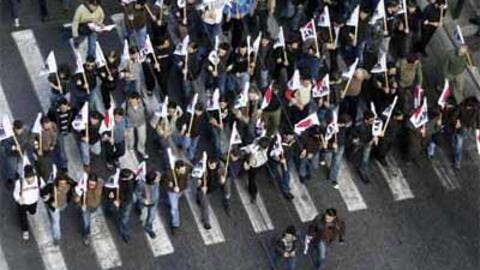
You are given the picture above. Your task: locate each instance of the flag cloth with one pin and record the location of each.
(200, 168)
(6, 130)
(477, 139)
(381, 65)
(113, 181)
(332, 127)
(242, 100)
(420, 116)
(306, 123)
(280, 42)
(192, 104)
(417, 96)
(53, 174)
(256, 44)
(213, 57)
(37, 126)
(267, 97)
(125, 58)
(277, 148)
(322, 87)
(379, 12)
(159, 3)
(373, 109)
(377, 127)
(324, 18)
(308, 30)
(141, 173)
(108, 121)
(458, 35)
(351, 70)
(181, 3)
(182, 47)
(235, 136)
(260, 129)
(99, 57)
(213, 102)
(403, 7)
(79, 62)
(354, 17)
(171, 159)
(81, 186)
(25, 162)
(294, 82)
(81, 119)
(389, 110)
(147, 47)
(249, 45)
(446, 93)
(163, 109)
(51, 63)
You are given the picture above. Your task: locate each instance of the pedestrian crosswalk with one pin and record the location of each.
(103, 245)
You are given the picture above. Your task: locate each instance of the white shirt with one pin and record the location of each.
(27, 192)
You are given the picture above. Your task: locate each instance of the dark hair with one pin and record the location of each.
(28, 171)
(264, 142)
(119, 111)
(150, 177)
(44, 120)
(63, 101)
(344, 118)
(331, 212)
(291, 230)
(93, 177)
(368, 115)
(126, 174)
(179, 163)
(134, 95)
(17, 124)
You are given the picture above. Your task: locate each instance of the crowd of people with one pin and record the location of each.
(244, 87)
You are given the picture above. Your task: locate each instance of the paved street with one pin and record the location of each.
(423, 216)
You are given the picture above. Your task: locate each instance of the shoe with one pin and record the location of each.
(16, 22)
(26, 235)
(9, 184)
(174, 230)
(289, 196)
(125, 238)
(382, 161)
(335, 184)
(149, 93)
(207, 226)
(457, 166)
(226, 207)
(151, 234)
(475, 20)
(253, 199)
(86, 241)
(145, 157)
(110, 166)
(116, 163)
(363, 176)
(56, 242)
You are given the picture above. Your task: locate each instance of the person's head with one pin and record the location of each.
(212, 163)
(180, 167)
(264, 142)
(90, 63)
(28, 172)
(235, 154)
(118, 114)
(368, 117)
(112, 57)
(92, 5)
(151, 178)
(413, 58)
(134, 99)
(133, 51)
(223, 49)
(253, 92)
(95, 118)
(62, 179)
(92, 181)
(265, 39)
(45, 122)
(330, 215)
(63, 105)
(290, 232)
(18, 127)
(126, 175)
(199, 109)
(242, 49)
(171, 108)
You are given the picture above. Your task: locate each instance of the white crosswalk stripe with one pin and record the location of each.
(396, 181)
(4, 110)
(348, 190)
(302, 201)
(443, 169)
(102, 241)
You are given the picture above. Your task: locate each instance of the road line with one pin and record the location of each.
(257, 212)
(396, 181)
(444, 171)
(348, 190)
(4, 110)
(302, 201)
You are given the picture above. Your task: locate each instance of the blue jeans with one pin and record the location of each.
(192, 144)
(87, 220)
(278, 172)
(124, 218)
(319, 255)
(148, 216)
(366, 150)
(54, 216)
(59, 155)
(91, 39)
(337, 157)
(212, 30)
(307, 166)
(140, 36)
(14, 8)
(457, 143)
(85, 149)
(278, 258)
(173, 198)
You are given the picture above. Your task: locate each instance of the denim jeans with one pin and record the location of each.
(212, 30)
(217, 142)
(141, 132)
(54, 216)
(87, 220)
(336, 162)
(278, 259)
(85, 149)
(457, 143)
(306, 167)
(147, 217)
(140, 36)
(14, 8)
(192, 144)
(319, 255)
(60, 156)
(366, 150)
(173, 198)
(91, 39)
(124, 218)
(278, 172)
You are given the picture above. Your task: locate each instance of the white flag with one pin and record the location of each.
(379, 12)
(389, 110)
(322, 87)
(81, 186)
(37, 126)
(446, 93)
(308, 30)
(403, 7)
(420, 116)
(256, 44)
(324, 18)
(125, 58)
(332, 127)
(213, 57)
(373, 109)
(277, 148)
(213, 102)
(306, 123)
(147, 47)
(280, 42)
(79, 62)
(201, 167)
(99, 57)
(6, 130)
(381, 65)
(192, 104)
(159, 3)
(141, 173)
(81, 120)
(354, 17)
(51, 63)
(235, 136)
(181, 3)
(417, 96)
(350, 70)
(294, 82)
(108, 122)
(458, 35)
(53, 174)
(377, 127)
(267, 97)
(182, 47)
(242, 99)
(171, 159)
(477, 139)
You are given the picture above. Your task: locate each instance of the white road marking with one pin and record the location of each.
(443, 169)
(396, 181)
(257, 212)
(302, 201)
(348, 190)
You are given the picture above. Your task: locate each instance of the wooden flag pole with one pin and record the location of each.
(40, 143)
(356, 35)
(228, 158)
(315, 39)
(185, 13)
(405, 17)
(441, 15)
(59, 82)
(389, 116)
(385, 26)
(346, 87)
(330, 33)
(185, 69)
(387, 83)
(190, 124)
(147, 8)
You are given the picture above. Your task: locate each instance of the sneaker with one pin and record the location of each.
(289, 196)
(125, 238)
(16, 22)
(86, 241)
(151, 234)
(335, 184)
(56, 242)
(145, 157)
(26, 235)
(149, 93)
(226, 207)
(174, 230)
(207, 226)
(383, 162)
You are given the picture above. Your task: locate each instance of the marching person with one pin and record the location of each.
(286, 248)
(90, 12)
(149, 195)
(13, 154)
(114, 144)
(177, 182)
(125, 197)
(26, 194)
(257, 157)
(93, 143)
(136, 114)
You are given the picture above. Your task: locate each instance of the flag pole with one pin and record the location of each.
(330, 33)
(441, 15)
(185, 69)
(315, 38)
(390, 115)
(387, 83)
(228, 158)
(346, 87)
(190, 124)
(356, 35)
(405, 16)
(385, 26)
(185, 13)
(59, 82)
